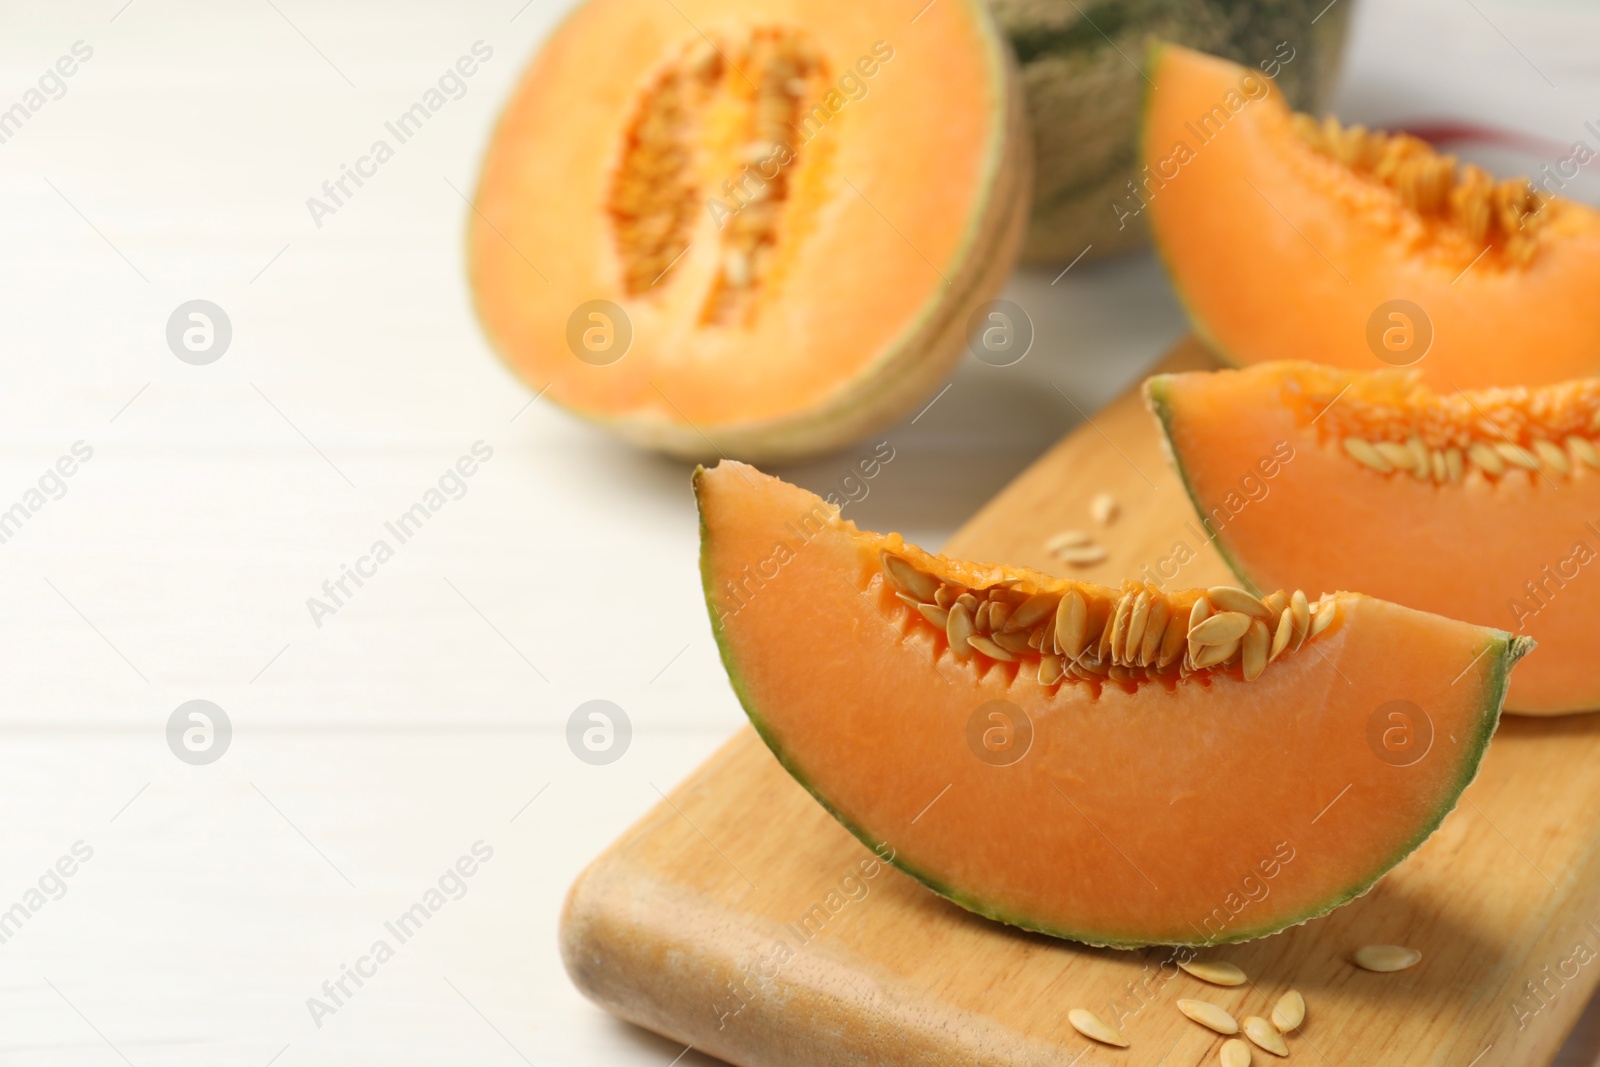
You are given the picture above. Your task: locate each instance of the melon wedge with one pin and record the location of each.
(1481, 505)
(1288, 236)
(757, 231)
(1150, 791)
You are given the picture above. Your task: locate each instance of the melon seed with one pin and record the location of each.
(935, 614)
(1083, 555)
(1584, 451)
(1253, 650)
(1015, 643)
(1455, 466)
(1072, 625)
(1118, 630)
(1209, 1015)
(1275, 603)
(1154, 632)
(1050, 670)
(1486, 457)
(1173, 644)
(1421, 465)
(1219, 629)
(1280, 636)
(1436, 458)
(999, 611)
(1102, 649)
(1395, 454)
(1289, 1012)
(1363, 452)
(1103, 508)
(1095, 1028)
(1518, 455)
(1213, 655)
(1386, 958)
(1552, 456)
(1067, 539)
(1324, 617)
(908, 579)
(958, 630)
(1033, 610)
(1235, 1053)
(1302, 619)
(1138, 617)
(985, 645)
(1232, 598)
(1216, 972)
(1259, 1031)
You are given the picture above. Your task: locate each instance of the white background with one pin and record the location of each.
(370, 753)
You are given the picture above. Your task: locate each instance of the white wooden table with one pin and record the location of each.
(428, 712)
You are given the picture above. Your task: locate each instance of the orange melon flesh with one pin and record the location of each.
(1210, 809)
(1507, 550)
(781, 301)
(1278, 250)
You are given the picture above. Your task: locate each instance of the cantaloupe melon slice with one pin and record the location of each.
(1081, 761)
(1287, 237)
(1480, 505)
(756, 231)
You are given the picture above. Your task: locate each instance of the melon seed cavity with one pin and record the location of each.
(1069, 631)
(1390, 424)
(1465, 201)
(720, 109)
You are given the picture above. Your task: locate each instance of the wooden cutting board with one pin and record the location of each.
(676, 927)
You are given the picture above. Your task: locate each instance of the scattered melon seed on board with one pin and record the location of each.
(1083, 555)
(1067, 539)
(1386, 958)
(1262, 1034)
(1095, 1028)
(1103, 508)
(1209, 1015)
(1214, 971)
(1235, 1053)
(1289, 1012)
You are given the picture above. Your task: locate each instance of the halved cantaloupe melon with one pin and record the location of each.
(1292, 238)
(754, 231)
(1482, 506)
(1118, 767)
